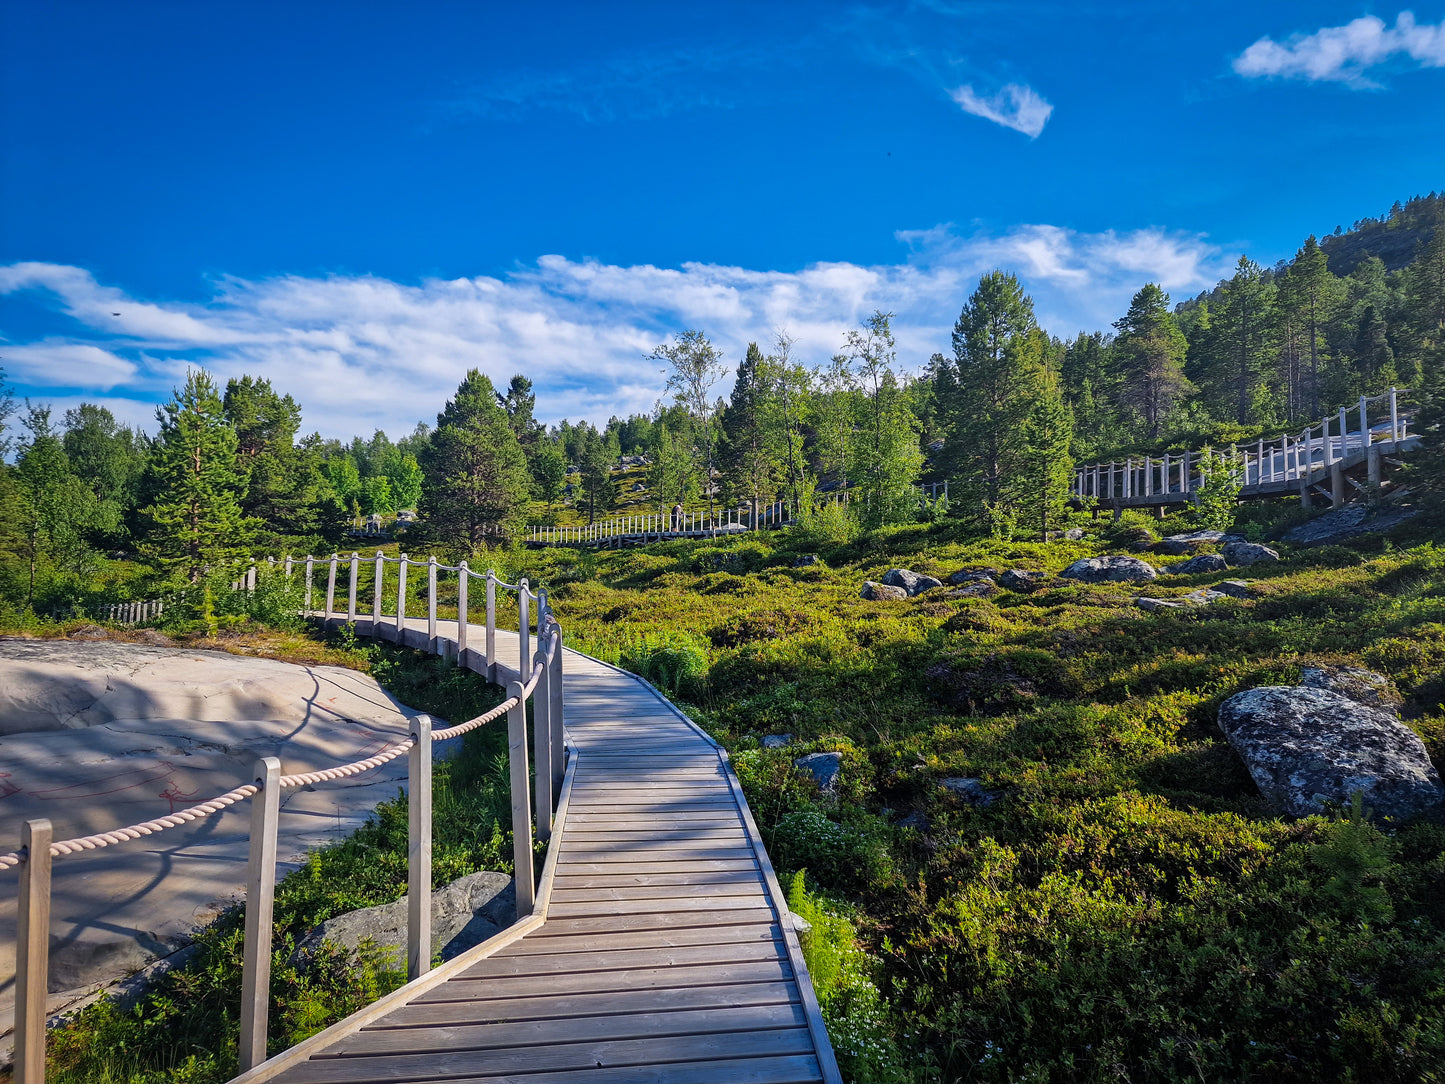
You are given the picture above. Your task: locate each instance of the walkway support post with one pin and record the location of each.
(260, 912)
(1372, 465)
(32, 952)
(521, 800)
(1337, 484)
(401, 601)
(492, 626)
(418, 850)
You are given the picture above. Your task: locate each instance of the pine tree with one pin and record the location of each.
(1319, 293)
(519, 401)
(750, 462)
(549, 468)
(475, 477)
(1243, 323)
(1045, 470)
(195, 520)
(1150, 349)
(597, 485)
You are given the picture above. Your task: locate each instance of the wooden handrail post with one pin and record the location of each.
(542, 739)
(331, 587)
(521, 801)
(32, 952)
(464, 576)
(287, 567)
(1394, 417)
(378, 581)
(554, 715)
(310, 578)
(401, 601)
(492, 626)
(418, 850)
(1344, 424)
(260, 913)
(1364, 424)
(351, 588)
(431, 604)
(524, 628)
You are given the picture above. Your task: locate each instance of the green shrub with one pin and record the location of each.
(673, 661)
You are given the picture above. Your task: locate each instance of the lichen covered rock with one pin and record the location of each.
(915, 583)
(1113, 569)
(881, 592)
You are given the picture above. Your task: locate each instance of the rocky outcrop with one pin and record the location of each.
(881, 592)
(1362, 686)
(1114, 569)
(1177, 545)
(825, 768)
(1350, 521)
(1195, 566)
(1021, 579)
(1243, 554)
(1152, 605)
(969, 790)
(915, 583)
(1305, 747)
(463, 914)
(777, 741)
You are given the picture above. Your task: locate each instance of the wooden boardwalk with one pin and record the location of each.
(661, 948)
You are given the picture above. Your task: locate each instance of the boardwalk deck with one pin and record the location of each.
(661, 949)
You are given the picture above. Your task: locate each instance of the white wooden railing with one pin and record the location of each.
(537, 677)
(1288, 458)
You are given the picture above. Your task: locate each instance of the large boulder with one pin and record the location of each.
(463, 914)
(1361, 686)
(1021, 579)
(915, 583)
(1152, 605)
(1177, 545)
(980, 589)
(1234, 588)
(1115, 569)
(1195, 566)
(973, 575)
(777, 741)
(825, 768)
(1241, 554)
(881, 592)
(1305, 747)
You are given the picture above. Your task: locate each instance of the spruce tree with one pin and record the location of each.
(195, 520)
(1040, 485)
(1150, 349)
(475, 478)
(750, 462)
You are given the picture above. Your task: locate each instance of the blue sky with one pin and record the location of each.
(360, 201)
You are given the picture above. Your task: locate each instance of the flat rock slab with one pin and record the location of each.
(97, 735)
(1350, 521)
(1305, 747)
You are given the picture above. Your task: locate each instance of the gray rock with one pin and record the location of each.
(1235, 588)
(1177, 545)
(463, 914)
(1021, 579)
(1073, 534)
(1347, 522)
(825, 768)
(1206, 562)
(915, 583)
(776, 741)
(807, 560)
(1305, 747)
(1150, 605)
(1113, 569)
(1204, 596)
(1361, 686)
(881, 592)
(917, 820)
(981, 589)
(969, 790)
(90, 632)
(1240, 554)
(973, 575)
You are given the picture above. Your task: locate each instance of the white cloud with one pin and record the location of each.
(1015, 106)
(1343, 54)
(360, 351)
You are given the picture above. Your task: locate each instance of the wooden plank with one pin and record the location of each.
(657, 892)
(446, 1064)
(564, 926)
(482, 1010)
(498, 1036)
(763, 930)
(627, 822)
(790, 1069)
(700, 878)
(597, 982)
(720, 904)
(657, 850)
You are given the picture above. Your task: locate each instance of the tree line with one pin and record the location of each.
(1001, 415)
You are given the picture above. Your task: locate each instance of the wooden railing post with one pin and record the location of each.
(1394, 416)
(554, 714)
(32, 952)
(351, 588)
(464, 576)
(1364, 424)
(310, 578)
(401, 601)
(431, 604)
(524, 629)
(418, 850)
(1344, 423)
(260, 912)
(331, 587)
(492, 625)
(378, 580)
(542, 740)
(521, 801)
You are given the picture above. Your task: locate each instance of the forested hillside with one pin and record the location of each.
(94, 509)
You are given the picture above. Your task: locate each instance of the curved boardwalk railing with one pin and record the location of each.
(1266, 468)
(657, 945)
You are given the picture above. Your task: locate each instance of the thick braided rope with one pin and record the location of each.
(301, 779)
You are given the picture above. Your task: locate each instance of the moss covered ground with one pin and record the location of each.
(1127, 908)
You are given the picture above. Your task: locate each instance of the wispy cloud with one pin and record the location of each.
(362, 351)
(1343, 54)
(1015, 106)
